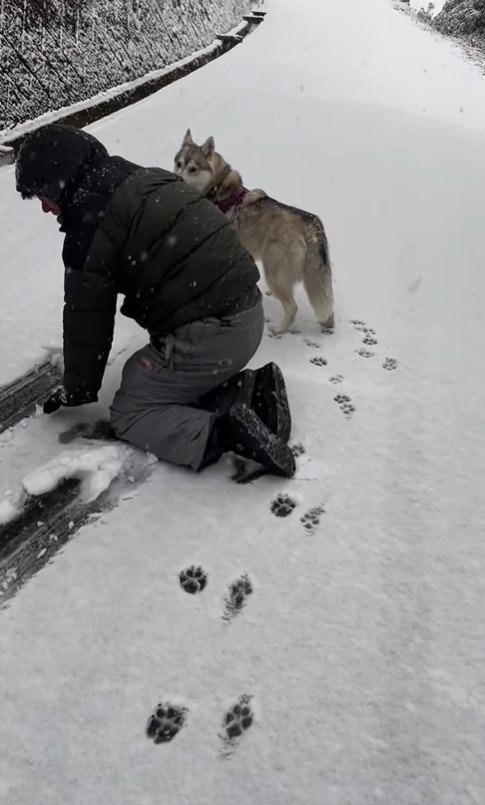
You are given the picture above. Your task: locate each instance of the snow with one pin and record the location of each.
(419, 4)
(103, 464)
(362, 642)
(8, 510)
(97, 467)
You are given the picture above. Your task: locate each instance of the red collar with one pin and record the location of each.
(233, 201)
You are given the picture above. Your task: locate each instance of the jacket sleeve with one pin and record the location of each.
(89, 314)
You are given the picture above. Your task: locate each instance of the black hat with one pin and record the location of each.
(52, 158)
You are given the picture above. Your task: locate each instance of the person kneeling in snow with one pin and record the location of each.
(186, 278)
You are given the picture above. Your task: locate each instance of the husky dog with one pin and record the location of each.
(290, 243)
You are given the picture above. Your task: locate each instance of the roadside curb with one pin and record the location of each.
(126, 95)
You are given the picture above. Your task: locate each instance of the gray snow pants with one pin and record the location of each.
(154, 408)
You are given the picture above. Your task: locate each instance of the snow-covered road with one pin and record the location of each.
(362, 643)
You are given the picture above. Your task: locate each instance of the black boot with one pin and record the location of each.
(262, 389)
(242, 432)
(238, 389)
(270, 400)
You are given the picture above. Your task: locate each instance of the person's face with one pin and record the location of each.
(49, 206)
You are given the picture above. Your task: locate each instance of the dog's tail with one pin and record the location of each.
(317, 274)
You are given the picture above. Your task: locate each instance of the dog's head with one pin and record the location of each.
(196, 164)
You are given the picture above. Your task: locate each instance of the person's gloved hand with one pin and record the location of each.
(60, 398)
(54, 402)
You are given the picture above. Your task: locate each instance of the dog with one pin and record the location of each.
(291, 244)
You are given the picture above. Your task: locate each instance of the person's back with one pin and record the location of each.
(185, 277)
(163, 243)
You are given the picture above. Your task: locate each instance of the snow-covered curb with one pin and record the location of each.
(10, 135)
(7, 156)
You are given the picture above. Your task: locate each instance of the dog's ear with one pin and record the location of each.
(188, 138)
(209, 147)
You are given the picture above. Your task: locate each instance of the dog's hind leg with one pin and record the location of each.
(317, 279)
(280, 277)
(290, 308)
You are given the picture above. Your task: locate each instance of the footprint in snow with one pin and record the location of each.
(193, 579)
(362, 327)
(282, 506)
(312, 344)
(345, 404)
(297, 449)
(311, 519)
(370, 341)
(318, 361)
(236, 596)
(274, 333)
(336, 379)
(238, 719)
(165, 723)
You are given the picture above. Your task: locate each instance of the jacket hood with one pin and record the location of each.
(52, 159)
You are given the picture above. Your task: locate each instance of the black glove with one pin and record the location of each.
(54, 402)
(60, 398)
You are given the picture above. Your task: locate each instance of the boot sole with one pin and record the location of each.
(279, 398)
(268, 449)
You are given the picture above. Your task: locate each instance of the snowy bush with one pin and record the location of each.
(462, 18)
(56, 52)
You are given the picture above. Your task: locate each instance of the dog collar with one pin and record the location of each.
(233, 201)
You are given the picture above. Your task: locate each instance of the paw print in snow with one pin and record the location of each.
(390, 364)
(335, 379)
(236, 596)
(365, 353)
(361, 327)
(282, 506)
(311, 518)
(238, 719)
(193, 579)
(369, 340)
(345, 404)
(273, 332)
(297, 449)
(312, 344)
(165, 723)
(318, 361)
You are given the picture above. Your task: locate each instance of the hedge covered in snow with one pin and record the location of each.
(462, 18)
(54, 53)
